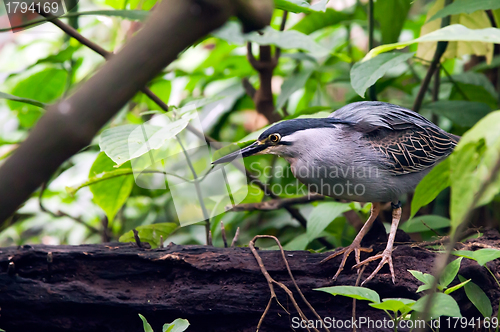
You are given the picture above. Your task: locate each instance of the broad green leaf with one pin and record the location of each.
(427, 279)
(145, 324)
(291, 84)
(102, 177)
(358, 293)
(431, 185)
(480, 67)
(425, 223)
(300, 6)
(395, 305)
(455, 49)
(470, 165)
(365, 73)
(450, 272)
(391, 15)
(111, 194)
(178, 325)
(289, 39)
(474, 78)
(44, 86)
(162, 89)
(319, 20)
(322, 216)
(454, 288)
(455, 32)
(473, 93)
(465, 6)
(460, 112)
(478, 298)
(7, 96)
(127, 142)
(298, 243)
(62, 56)
(481, 256)
(151, 233)
(442, 305)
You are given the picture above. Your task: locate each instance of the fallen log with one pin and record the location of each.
(104, 287)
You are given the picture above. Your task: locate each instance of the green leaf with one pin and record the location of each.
(145, 324)
(101, 177)
(7, 96)
(442, 305)
(454, 32)
(391, 15)
(478, 298)
(44, 86)
(427, 279)
(460, 112)
(127, 142)
(151, 233)
(358, 293)
(319, 20)
(162, 89)
(450, 272)
(298, 243)
(424, 223)
(431, 185)
(465, 6)
(300, 6)
(293, 83)
(62, 56)
(473, 93)
(365, 73)
(289, 39)
(178, 325)
(481, 256)
(454, 288)
(111, 194)
(395, 305)
(322, 216)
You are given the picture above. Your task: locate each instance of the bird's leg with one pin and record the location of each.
(386, 255)
(356, 244)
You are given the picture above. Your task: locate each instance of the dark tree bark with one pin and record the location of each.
(104, 287)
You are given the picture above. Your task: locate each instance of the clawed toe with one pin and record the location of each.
(385, 257)
(346, 252)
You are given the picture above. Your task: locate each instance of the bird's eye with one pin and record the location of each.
(274, 138)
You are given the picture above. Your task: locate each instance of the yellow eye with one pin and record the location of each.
(274, 138)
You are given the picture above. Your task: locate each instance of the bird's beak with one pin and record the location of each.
(250, 150)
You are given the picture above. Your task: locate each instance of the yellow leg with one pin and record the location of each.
(386, 255)
(356, 244)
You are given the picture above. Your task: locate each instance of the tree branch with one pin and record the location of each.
(440, 49)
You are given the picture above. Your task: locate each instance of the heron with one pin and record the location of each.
(379, 150)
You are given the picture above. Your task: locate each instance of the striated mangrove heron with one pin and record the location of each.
(366, 152)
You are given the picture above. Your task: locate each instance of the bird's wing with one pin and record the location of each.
(410, 142)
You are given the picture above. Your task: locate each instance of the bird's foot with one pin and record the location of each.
(385, 257)
(356, 247)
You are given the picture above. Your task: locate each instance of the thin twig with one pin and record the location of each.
(271, 281)
(60, 214)
(235, 238)
(372, 92)
(223, 233)
(136, 238)
(360, 273)
(440, 49)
